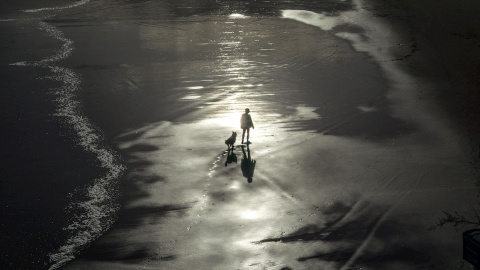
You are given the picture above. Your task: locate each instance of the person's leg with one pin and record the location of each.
(248, 134)
(243, 135)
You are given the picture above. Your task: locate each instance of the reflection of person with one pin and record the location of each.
(248, 165)
(246, 123)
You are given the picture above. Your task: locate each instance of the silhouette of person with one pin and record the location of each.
(246, 123)
(248, 164)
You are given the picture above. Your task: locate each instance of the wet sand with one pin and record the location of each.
(360, 144)
(443, 41)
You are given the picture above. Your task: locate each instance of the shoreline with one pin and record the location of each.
(78, 197)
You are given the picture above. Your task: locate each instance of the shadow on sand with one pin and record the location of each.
(111, 246)
(355, 239)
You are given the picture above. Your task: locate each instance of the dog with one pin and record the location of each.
(231, 141)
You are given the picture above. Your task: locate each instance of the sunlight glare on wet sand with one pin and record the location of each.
(231, 119)
(237, 16)
(250, 214)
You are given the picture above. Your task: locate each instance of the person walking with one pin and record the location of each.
(246, 123)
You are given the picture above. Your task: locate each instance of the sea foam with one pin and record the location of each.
(96, 211)
(72, 5)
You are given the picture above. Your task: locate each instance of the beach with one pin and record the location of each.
(116, 113)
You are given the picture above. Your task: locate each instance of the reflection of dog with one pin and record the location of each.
(231, 157)
(230, 141)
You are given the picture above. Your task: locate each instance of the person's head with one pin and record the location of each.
(247, 110)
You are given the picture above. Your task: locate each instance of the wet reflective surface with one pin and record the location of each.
(315, 201)
(347, 167)
(227, 58)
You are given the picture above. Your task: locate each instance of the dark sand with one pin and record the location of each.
(444, 42)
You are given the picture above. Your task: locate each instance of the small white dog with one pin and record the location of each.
(231, 141)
